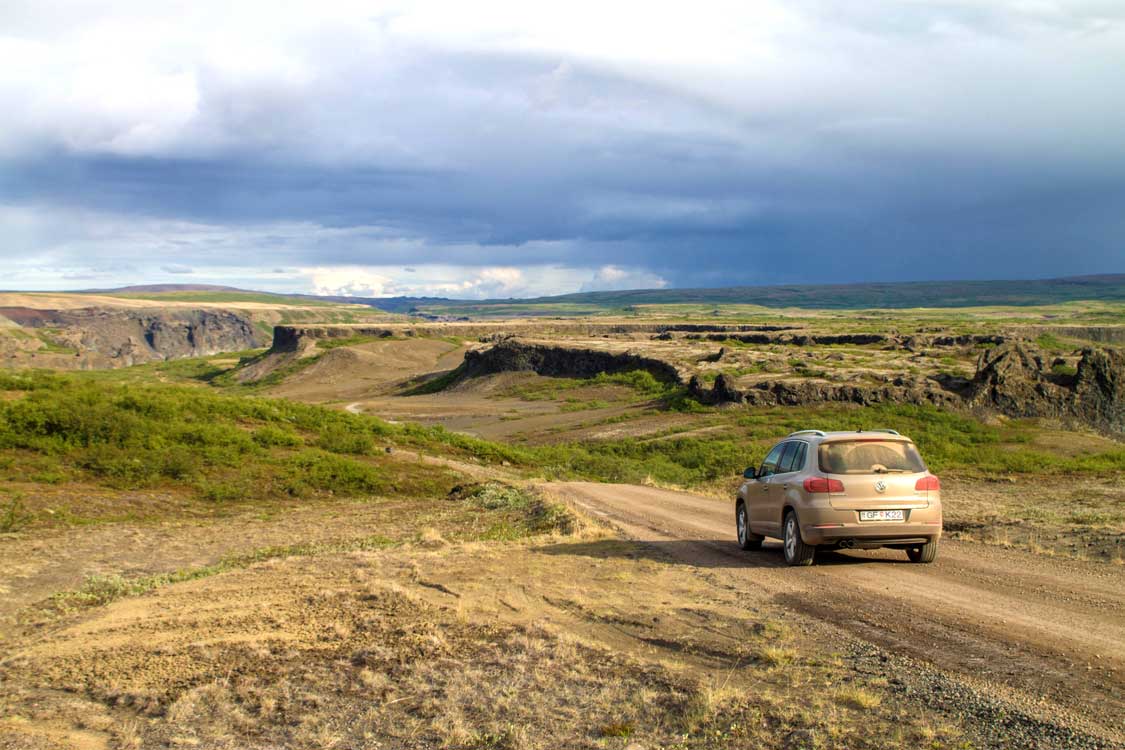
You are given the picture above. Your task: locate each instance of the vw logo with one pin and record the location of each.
(880, 486)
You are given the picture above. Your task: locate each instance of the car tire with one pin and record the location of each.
(793, 547)
(923, 553)
(747, 539)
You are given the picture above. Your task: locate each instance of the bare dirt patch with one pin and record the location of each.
(444, 647)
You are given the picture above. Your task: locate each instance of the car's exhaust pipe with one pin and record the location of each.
(847, 543)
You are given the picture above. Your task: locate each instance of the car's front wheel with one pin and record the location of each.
(746, 538)
(923, 553)
(795, 549)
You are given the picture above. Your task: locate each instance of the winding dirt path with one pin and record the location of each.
(1044, 633)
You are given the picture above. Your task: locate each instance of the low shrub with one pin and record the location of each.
(271, 436)
(530, 513)
(317, 470)
(346, 438)
(13, 515)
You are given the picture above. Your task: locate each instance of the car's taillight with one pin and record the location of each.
(928, 483)
(823, 484)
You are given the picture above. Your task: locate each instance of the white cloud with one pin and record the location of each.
(348, 282)
(340, 79)
(439, 280)
(615, 278)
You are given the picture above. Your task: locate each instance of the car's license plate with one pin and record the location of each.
(881, 515)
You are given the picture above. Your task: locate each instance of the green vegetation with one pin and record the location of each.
(225, 447)
(336, 343)
(12, 514)
(51, 344)
(1064, 369)
(196, 370)
(642, 383)
(1049, 342)
(225, 377)
(873, 297)
(436, 384)
(229, 448)
(527, 512)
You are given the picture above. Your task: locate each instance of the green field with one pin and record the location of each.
(886, 299)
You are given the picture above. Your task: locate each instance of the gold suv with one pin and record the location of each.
(845, 490)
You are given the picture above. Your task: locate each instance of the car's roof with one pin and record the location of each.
(822, 435)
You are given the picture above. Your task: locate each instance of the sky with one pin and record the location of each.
(510, 149)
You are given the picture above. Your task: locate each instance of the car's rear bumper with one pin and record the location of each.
(844, 526)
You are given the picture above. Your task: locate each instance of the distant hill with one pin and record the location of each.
(1107, 287)
(888, 295)
(160, 288)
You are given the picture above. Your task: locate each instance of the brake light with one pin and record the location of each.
(823, 484)
(928, 483)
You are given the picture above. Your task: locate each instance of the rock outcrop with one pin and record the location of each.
(916, 342)
(1013, 378)
(796, 393)
(557, 361)
(1016, 379)
(93, 338)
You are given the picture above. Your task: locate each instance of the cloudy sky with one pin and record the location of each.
(495, 148)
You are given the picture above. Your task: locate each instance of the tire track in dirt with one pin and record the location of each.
(1043, 633)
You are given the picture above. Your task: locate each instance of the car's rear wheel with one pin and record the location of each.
(923, 553)
(796, 551)
(746, 538)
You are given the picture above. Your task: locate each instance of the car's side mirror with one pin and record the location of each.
(750, 473)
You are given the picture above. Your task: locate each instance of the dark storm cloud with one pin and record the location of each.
(890, 141)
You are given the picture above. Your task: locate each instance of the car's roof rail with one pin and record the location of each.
(884, 429)
(818, 433)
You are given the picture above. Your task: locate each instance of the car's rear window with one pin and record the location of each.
(869, 457)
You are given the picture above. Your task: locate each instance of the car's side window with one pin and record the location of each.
(785, 464)
(769, 466)
(795, 460)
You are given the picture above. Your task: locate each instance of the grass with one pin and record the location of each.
(874, 298)
(528, 513)
(362, 651)
(97, 590)
(337, 342)
(504, 513)
(228, 447)
(858, 698)
(641, 385)
(277, 376)
(13, 514)
(437, 384)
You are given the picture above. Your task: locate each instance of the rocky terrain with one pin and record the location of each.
(780, 365)
(1017, 379)
(96, 338)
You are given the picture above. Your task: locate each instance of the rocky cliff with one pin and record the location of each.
(94, 338)
(558, 361)
(1013, 378)
(1017, 380)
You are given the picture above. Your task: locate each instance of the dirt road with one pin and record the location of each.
(1043, 634)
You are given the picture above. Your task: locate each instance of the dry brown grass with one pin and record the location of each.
(412, 647)
(1080, 518)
